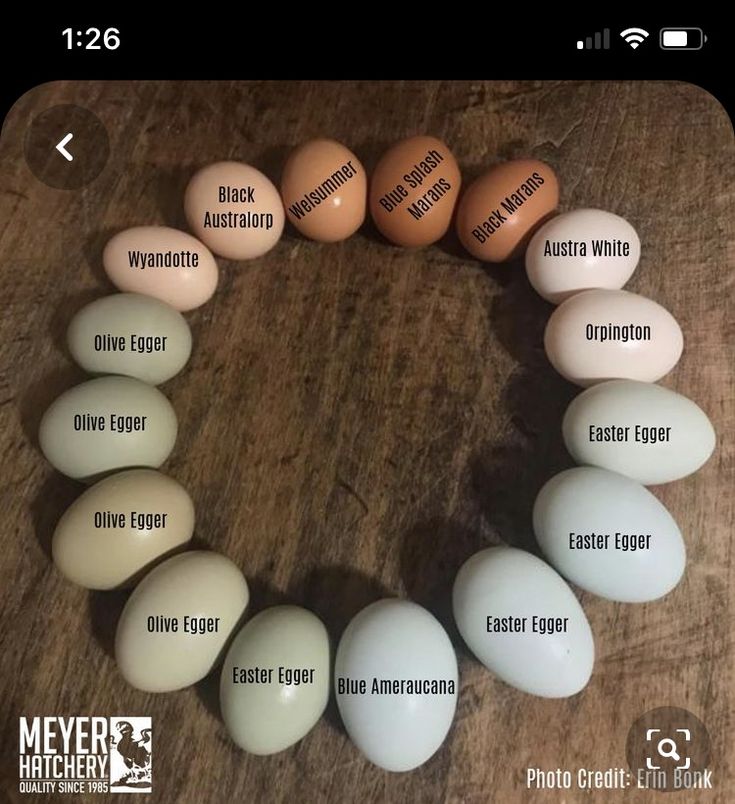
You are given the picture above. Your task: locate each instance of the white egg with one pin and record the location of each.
(609, 535)
(523, 622)
(603, 335)
(643, 431)
(396, 681)
(275, 679)
(580, 250)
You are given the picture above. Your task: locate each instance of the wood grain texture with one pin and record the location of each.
(356, 419)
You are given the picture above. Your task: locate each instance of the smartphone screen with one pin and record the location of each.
(366, 406)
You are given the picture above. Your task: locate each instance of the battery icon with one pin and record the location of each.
(681, 38)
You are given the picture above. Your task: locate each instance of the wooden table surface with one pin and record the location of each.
(357, 419)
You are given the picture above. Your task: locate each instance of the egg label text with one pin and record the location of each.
(509, 205)
(580, 248)
(158, 624)
(414, 178)
(328, 187)
(163, 259)
(136, 519)
(142, 344)
(625, 542)
(112, 422)
(617, 332)
(641, 434)
(237, 220)
(520, 625)
(290, 676)
(395, 686)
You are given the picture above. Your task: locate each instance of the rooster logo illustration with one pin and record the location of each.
(136, 755)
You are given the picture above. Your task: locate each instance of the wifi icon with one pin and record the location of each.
(634, 36)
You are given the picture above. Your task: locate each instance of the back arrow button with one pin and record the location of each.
(48, 137)
(60, 147)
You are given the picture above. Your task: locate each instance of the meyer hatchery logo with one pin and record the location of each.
(85, 755)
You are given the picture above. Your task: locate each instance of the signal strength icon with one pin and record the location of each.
(601, 41)
(634, 36)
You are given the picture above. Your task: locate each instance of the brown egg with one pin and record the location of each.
(500, 211)
(324, 190)
(413, 191)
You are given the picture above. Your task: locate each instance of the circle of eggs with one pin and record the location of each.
(542, 644)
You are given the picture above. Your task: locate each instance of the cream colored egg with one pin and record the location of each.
(603, 335)
(121, 526)
(275, 679)
(235, 209)
(106, 424)
(581, 250)
(165, 263)
(130, 334)
(178, 619)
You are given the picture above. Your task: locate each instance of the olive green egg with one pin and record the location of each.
(120, 527)
(275, 679)
(178, 620)
(130, 334)
(107, 424)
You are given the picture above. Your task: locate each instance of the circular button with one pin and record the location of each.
(66, 147)
(668, 750)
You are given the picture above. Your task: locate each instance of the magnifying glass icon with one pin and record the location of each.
(669, 753)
